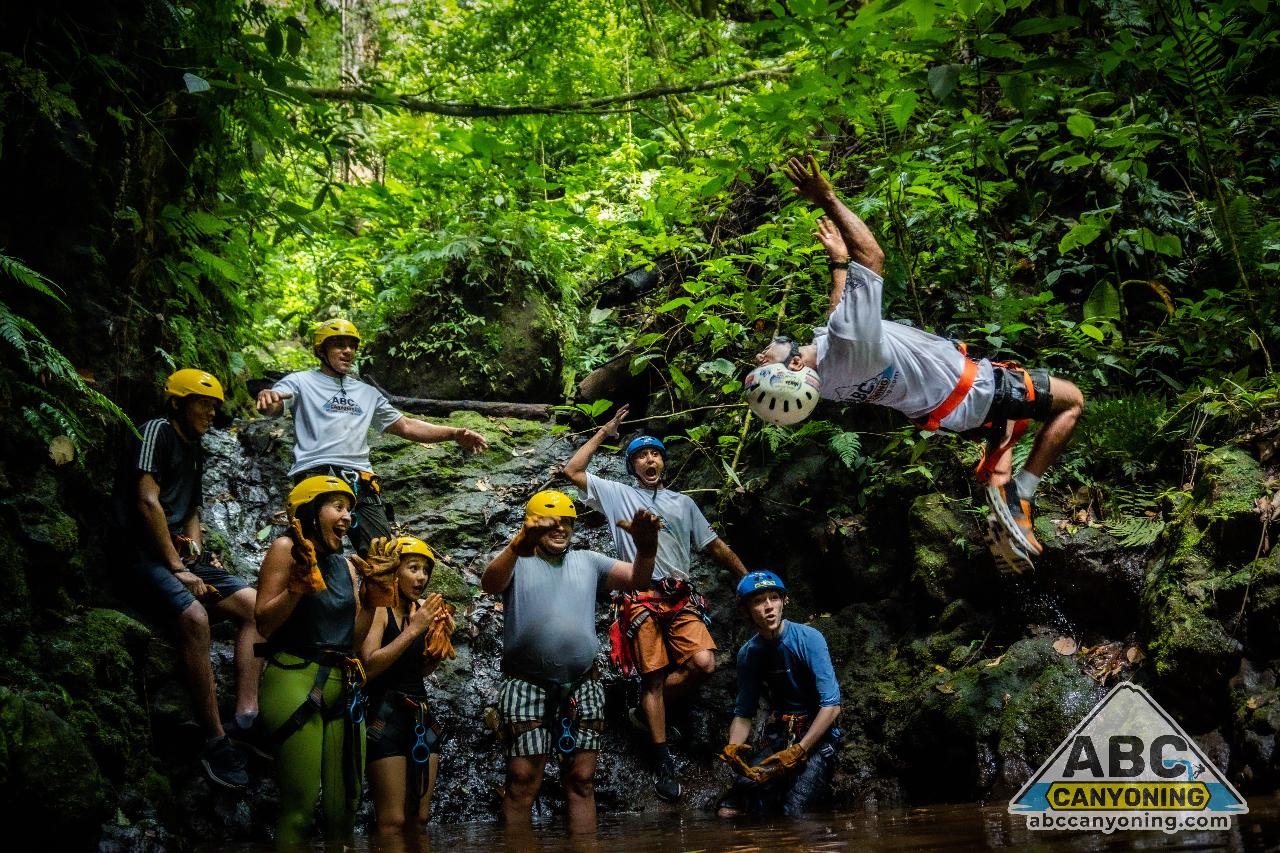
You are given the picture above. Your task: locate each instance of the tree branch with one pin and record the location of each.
(472, 110)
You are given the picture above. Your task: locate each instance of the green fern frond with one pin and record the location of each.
(1136, 531)
(848, 446)
(23, 274)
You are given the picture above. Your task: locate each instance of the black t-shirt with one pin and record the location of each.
(177, 466)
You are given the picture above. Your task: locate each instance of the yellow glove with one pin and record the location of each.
(304, 576)
(736, 755)
(378, 568)
(440, 635)
(779, 763)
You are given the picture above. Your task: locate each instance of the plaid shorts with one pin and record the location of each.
(521, 703)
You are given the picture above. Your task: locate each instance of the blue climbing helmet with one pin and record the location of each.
(759, 582)
(638, 444)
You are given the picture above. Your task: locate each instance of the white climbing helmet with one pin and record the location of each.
(780, 395)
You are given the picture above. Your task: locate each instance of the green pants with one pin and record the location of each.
(314, 757)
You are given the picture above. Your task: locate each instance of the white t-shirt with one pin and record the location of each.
(863, 358)
(332, 419)
(685, 527)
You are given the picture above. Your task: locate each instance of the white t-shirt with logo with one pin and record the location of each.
(863, 358)
(332, 418)
(685, 528)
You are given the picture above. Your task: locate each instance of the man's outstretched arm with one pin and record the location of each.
(812, 185)
(576, 468)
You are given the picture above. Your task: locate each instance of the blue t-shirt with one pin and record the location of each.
(796, 670)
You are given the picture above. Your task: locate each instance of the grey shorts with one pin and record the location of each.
(523, 715)
(162, 596)
(1012, 402)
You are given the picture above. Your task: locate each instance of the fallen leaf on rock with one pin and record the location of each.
(61, 450)
(993, 662)
(1134, 655)
(504, 428)
(483, 485)
(1065, 646)
(945, 688)
(939, 667)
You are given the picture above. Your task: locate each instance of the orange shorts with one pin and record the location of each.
(663, 640)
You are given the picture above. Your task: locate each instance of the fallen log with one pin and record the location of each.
(441, 408)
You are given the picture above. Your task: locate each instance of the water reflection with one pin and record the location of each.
(952, 827)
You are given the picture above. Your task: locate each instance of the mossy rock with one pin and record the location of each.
(97, 661)
(937, 537)
(48, 778)
(1183, 596)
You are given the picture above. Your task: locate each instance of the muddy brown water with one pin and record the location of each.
(948, 827)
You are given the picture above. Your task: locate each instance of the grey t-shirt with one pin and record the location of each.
(549, 610)
(332, 419)
(685, 528)
(863, 358)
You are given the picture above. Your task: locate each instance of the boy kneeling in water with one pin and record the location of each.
(792, 768)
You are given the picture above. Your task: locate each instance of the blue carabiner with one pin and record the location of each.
(357, 706)
(421, 753)
(567, 741)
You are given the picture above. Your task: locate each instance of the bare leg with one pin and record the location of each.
(1052, 438)
(690, 676)
(524, 775)
(655, 710)
(387, 790)
(248, 668)
(580, 793)
(193, 629)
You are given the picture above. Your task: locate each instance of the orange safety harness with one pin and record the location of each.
(992, 451)
(671, 596)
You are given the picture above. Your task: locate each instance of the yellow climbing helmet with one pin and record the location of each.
(312, 488)
(190, 382)
(414, 545)
(552, 503)
(333, 329)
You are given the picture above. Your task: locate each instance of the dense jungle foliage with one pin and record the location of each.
(1085, 185)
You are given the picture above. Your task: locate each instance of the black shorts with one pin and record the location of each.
(1010, 401)
(390, 731)
(158, 592)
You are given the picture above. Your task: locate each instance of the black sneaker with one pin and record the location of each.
(254, 738)
(666, 782)
(640, 722)
(224, 764)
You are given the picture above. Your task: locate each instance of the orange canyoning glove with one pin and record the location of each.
(304, 576)
(736, 755)
(440, 635)
(779, 763)
(378, 569)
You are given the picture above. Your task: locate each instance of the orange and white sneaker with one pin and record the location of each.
(1007, 554)
(1014, 513)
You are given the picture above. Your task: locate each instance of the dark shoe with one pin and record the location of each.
(224, 764)
(1008, 555)
(666, 782)
(641, 723)
(254, 738)
(1014, 513)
